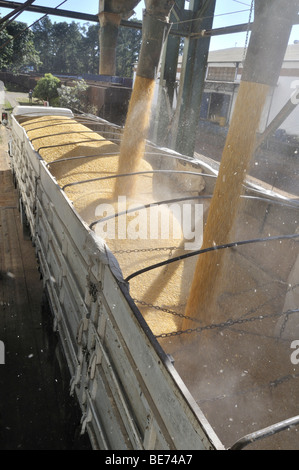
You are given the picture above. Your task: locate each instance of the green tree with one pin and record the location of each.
(6, 49)
(74, 49)
(47, 89)
(59, 41)
(42, 38)
(73, 97)
(17, 47)
(66, 42)
(90, 48)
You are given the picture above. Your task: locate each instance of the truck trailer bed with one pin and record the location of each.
(129, 391)
(141, 381)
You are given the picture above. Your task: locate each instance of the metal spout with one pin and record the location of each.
(154, 32)
(111, 12)
(263, 63)
(159, 9)
(270, 34)
(121, 7)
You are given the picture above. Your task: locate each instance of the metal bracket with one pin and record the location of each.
(266, 432)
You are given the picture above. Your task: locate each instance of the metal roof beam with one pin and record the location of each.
(17, 11)
(50, 11)
(239, 28)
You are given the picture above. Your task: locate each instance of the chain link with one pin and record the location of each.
(228, 323)
(161, 309)
(283, 327)
(248, 30)
(214, 326)
(145, 250)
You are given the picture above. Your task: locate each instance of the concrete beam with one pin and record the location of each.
(108, 41)
(154, 30)
(111, 13)
(192, 79)
(121, 7)
(270, 35)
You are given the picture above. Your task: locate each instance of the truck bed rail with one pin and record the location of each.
(129, 392)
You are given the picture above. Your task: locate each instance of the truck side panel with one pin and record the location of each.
(129, 392)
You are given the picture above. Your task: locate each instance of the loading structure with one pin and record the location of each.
(194, 25)
(196, 48)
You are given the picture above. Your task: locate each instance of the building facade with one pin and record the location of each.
(222, 83)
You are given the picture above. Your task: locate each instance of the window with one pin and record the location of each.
(221, 74)
(215, 107)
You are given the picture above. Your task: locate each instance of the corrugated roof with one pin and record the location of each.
(233, 54)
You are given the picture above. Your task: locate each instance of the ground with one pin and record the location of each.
(36, 410)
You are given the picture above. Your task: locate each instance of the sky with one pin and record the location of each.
(228, 12)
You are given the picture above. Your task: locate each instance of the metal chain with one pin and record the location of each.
(161, 309)
(144, 250)
(228, 323)
(225, 324)
(248, 30)
(283, 327)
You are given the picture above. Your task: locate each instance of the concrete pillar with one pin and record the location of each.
(154, 29)
(192, 81)
(109, 23)
(268, 43)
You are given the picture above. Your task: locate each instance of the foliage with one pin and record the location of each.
(42, 38)
(73, 97)
(90, 48)
(74, 49)
(127, 51)
(64, 48)
(17, 48)
(67, 48)
(46, 88)
(6, 50)
(66, 42)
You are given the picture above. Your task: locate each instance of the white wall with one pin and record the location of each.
(282, 94)
(275, 103)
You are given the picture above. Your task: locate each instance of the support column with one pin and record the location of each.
(111, 12)
(168, 80)
(155, 21)
(279, 119)
(192, 79)
(109, 23)
(154, 29)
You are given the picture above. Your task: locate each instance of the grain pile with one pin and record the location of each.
(57, 138)
(63, 138)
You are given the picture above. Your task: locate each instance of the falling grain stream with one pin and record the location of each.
(235, 161)
(135, 133)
